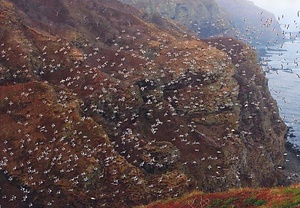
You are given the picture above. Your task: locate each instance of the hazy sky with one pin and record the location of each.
(288, 8)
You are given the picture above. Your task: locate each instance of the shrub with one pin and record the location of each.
(254, 202)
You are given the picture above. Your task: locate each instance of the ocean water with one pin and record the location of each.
(283, 72)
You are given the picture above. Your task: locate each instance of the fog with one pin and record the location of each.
(286, 11)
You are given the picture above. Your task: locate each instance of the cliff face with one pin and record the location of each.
(100, 107)
(203, 17)
(255, 25)
(239, 18)
(258, 113)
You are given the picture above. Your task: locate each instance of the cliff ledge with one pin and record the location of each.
(100, 107)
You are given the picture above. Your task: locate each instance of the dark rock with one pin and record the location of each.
(159, 157)
(238, 18)
(90, 96)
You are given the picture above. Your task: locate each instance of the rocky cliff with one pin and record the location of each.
(203, 17)
(254, 25)
(238, 18)
(103, 106)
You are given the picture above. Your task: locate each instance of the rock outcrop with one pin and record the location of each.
(203, 17)
(254, 25)
(103, 108)
(238, 18)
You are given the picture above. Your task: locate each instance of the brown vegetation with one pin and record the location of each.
(246, 197)
(101, 107)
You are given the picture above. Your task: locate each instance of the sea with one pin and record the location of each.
(282, 66)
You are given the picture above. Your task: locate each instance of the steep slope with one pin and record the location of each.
(238, 18)
(100, 107)
(203, 17)
(56, 155)
(255, 25)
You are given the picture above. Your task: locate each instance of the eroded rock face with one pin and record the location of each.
(256, 26)
(258, 113)
(100, 107)
(239, 18)
(203, 17)
(159, 157)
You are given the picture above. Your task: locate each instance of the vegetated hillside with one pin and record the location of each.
(238, 18)
(276, 197)
(103, 108)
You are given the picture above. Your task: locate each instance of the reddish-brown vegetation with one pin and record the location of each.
(100, 107)
(246, 197)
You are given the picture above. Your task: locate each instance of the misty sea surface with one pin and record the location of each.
(283, 73)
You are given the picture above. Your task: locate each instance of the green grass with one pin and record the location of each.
(289, 190)
(254, 202)
(215, 203)
(228, 202)
(260, 203)
(219, 203)
(294, 194)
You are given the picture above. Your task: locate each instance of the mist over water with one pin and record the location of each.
(282, 63)
(286, 12)
(284, 84)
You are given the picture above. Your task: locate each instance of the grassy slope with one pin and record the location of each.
(282, 197)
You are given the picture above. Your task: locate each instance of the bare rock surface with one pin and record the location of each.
(101, 107)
